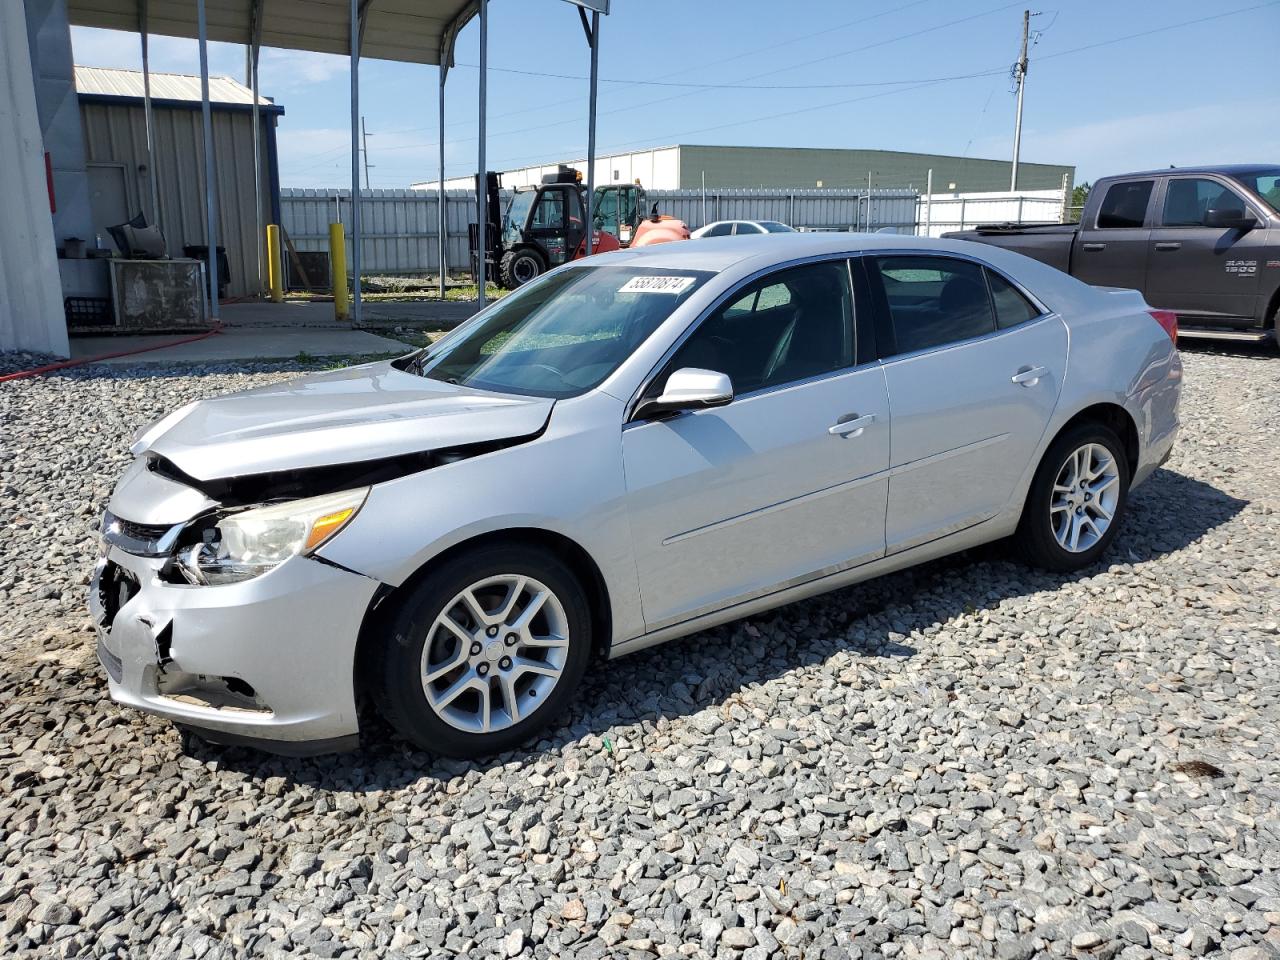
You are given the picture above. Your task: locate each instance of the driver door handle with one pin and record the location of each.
(1169, 245)
(1029, 376)
(851, 427)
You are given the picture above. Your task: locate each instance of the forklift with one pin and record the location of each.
(543, 228)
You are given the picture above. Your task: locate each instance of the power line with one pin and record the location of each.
(1062, 53)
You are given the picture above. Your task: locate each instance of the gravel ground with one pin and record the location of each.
(970, 758)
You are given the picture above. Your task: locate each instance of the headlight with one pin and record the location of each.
(248, 543)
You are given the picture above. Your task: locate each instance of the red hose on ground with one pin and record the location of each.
(63, 364)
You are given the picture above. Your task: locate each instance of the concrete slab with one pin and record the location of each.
(240, 343)
(295, 313)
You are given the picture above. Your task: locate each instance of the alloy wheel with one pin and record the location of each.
(1085, 496)
(494, 653)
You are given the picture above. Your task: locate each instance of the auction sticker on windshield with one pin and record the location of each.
(656, 285)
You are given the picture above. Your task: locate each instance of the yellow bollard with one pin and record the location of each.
(275, 282)
(338, 270)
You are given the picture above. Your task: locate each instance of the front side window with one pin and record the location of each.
(747, 228)
(1187, 200)
(561, 334)
(773, 226)
(934, 301)
(1125, 205)
(790, 325)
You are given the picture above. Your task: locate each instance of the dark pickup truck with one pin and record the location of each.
(1203, 242)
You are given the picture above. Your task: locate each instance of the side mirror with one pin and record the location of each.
(688, 389)
(1229, 218)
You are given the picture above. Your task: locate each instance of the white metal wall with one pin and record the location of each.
(960, 211)
(400, 225)
(31, 314)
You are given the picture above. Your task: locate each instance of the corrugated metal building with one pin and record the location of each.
(115, 141)
(682, 167)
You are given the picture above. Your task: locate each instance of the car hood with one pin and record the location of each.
(346, 416)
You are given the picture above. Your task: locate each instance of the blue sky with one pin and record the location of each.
(1203, 92)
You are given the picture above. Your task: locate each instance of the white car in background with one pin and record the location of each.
(725, 228)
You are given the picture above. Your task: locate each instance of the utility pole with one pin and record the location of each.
(364, 134)
(1020, 76)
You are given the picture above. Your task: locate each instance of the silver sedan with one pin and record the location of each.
(632, 448)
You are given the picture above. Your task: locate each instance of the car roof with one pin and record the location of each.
(1227, 169)
(721, 253)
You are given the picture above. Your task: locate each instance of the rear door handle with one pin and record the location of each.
(852, 427)
(1029, 376)
(1093, 247)
(1169, 245)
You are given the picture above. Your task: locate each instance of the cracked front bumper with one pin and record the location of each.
(268, 662)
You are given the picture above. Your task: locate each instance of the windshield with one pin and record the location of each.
(518, 211)
(1266, 184)
(774, 227)
(562, 334)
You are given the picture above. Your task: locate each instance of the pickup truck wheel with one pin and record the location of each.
(484, 652)
(1077, 499)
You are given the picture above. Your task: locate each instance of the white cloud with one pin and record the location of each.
(291, 69)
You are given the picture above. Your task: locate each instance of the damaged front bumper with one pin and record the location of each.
(230, 660)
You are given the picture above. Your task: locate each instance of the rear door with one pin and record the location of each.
(1111, 248)
(1205, 273)
(973, 367)
(778, 487)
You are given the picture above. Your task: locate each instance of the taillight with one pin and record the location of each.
(1167, 319)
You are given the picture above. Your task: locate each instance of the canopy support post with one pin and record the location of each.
(358, 9)
(482, 184)
(442, 200)
(210, 187)
(255, 45)
(146, 113)
(593, 40)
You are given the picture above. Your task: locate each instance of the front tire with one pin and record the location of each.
(484, 652)
(1077, 499)
(518, 267)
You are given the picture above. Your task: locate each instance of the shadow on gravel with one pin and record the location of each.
(1168, 513)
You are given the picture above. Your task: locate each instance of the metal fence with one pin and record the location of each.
(400, 226)
(400, 231)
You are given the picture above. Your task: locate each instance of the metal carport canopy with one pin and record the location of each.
(413, 31)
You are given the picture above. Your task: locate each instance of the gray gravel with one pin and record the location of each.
(967, 759)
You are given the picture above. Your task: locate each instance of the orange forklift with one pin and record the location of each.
(543, 227)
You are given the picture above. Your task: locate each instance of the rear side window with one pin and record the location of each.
(1125, 204)
(1012, 308)
(720, 230)
(934, 301)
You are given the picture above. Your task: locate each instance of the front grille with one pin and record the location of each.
(139, 539)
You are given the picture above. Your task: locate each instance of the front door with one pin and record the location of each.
(550, 226)
(1111, 250)
(1201, 271)
(779, 486)
(973, 369)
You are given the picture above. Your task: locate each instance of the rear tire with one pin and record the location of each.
(459, 673)
(1077, 499)
(518, 267)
